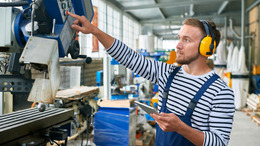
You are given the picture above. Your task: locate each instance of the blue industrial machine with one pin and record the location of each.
(35, 34)
(49, 21)
(44, 19)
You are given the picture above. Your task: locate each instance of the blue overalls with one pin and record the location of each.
(173, 138)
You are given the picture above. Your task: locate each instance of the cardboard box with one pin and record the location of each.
(116, 103)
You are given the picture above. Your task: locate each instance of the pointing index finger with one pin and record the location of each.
(74, 15)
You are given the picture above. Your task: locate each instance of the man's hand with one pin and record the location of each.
(172, 123)
(168, 122)
(82, 24)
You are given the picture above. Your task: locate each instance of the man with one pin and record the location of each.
(196, 106)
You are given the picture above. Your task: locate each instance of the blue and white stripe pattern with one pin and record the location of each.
(215, 110)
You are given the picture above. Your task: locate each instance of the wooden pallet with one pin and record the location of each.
(254, 114)
(250, 112)
(256, 119)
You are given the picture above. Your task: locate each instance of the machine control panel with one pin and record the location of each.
(64, 6)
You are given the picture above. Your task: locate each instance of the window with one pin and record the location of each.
(110, 21)
(131, 32)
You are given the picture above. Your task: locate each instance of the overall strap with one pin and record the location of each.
(198, 95)
(169, 81)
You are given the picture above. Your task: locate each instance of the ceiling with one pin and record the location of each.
(164, 17)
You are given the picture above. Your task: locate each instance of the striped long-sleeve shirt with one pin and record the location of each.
(213, 113)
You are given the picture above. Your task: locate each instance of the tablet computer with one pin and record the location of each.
(148, 109)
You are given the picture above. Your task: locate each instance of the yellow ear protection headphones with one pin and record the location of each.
(208, 43)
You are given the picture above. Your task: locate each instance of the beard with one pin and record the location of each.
(187, 60)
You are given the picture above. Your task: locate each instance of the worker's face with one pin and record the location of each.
(187, 48)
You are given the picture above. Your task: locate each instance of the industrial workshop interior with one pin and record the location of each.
(129, 72)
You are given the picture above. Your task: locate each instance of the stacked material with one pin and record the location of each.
(253, 102)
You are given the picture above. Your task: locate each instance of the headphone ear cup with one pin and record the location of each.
(204, 47)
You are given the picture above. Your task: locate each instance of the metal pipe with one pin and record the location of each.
(249, 36)
(225, 32)
(53, 27)
(249, 56)
(232, 29)
(45, 74)
(252, 6)
(192, 10)
(32, 17)
(106, 74)
(32, 22)
(222, 7)
(235, 33)
(242, 22)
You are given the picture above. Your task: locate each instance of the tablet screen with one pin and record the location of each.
(148, 109)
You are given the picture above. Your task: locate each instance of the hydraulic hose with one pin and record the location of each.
(13, 4)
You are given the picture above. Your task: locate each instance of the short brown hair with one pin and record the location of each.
(197, 23)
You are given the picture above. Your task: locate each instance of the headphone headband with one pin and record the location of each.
(209, 31)
(206, 27)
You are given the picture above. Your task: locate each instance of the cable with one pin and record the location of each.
(6, 67)
(27, 8)
(13, 4)
(33, 104)
(87, 132)
(87, 126)
(52, 141)
(82, 138)
(56, 142)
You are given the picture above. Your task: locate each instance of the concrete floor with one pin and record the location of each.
(245, 132)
